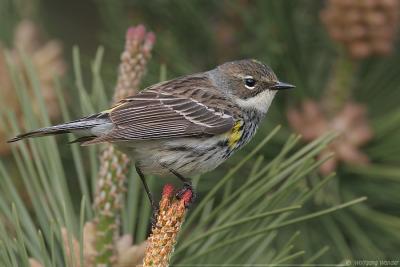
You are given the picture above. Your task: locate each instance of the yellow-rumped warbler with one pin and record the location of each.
(185, 126)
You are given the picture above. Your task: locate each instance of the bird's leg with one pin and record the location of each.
(153, 204)
(187, 185)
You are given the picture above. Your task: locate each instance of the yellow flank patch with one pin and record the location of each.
(235, 134)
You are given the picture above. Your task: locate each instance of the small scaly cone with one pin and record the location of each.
(363, 27)
(47, 60)
(351, 123)
(128, 254)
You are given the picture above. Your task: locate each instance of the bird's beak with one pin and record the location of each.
(282, 86)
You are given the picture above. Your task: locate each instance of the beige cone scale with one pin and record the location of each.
(47, 59)
(364, 27)
(351, 123)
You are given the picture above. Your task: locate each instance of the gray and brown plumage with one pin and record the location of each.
(188, 125)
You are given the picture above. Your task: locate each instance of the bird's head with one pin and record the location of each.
(249, 83)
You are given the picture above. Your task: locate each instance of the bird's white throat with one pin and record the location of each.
(260, 102)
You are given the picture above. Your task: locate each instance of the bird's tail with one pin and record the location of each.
(82, 126)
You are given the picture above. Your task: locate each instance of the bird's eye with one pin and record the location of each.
(249, 82)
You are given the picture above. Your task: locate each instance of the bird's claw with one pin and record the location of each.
(181, 193)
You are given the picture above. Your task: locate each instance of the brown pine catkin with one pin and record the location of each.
(162, 240)
(114, 164)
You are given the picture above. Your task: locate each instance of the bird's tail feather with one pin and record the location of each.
(79, 125)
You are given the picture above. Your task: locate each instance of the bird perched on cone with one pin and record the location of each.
(185, 126)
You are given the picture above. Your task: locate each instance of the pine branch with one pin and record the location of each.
(112, 176)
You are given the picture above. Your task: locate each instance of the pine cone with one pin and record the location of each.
(48, 62)
(8, 99)
(46, 58)
(34, 263)
(365, 28)
(350, 123)
(128, 254)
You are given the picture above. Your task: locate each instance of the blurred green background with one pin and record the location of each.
(329, 50)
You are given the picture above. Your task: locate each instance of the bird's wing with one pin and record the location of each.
(158, 114)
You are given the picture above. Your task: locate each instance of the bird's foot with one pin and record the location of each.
(188, 193)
